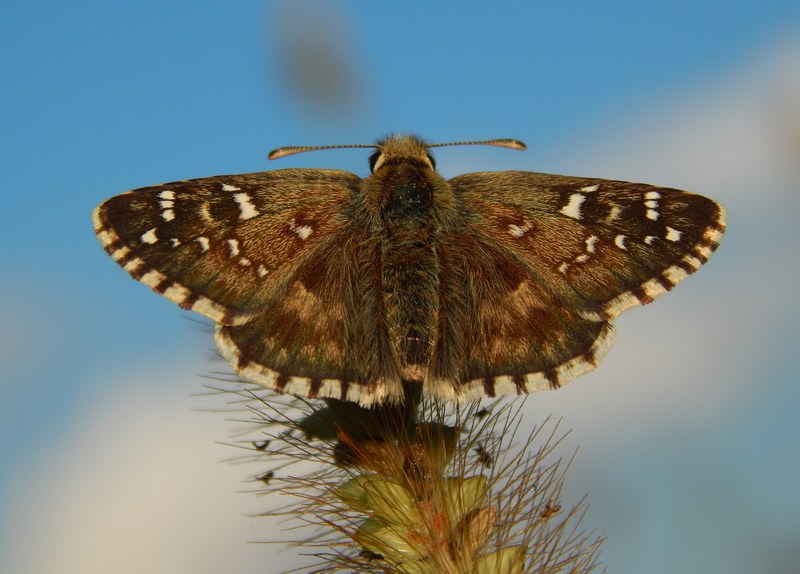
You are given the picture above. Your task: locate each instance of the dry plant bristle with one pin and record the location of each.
(420, 489)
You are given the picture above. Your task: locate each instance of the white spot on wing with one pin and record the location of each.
(149, 236)
(675, 274)
(563, 267)
(619, 241)
(203, 241)
(152, 278)
(673, 234)
(133, 264)
(649, 239)
(591, 243)
(167, 203)
(169, 195)
(233, 246)
(713, 235)
(693, 262)
(120, 253)
(520, 230)
(614, 214)
(573, 208)
(302, 231)
(246, 207)
(262, 271)
(175, 241)
(704, 251)
(177, 293)
(227, 187)
(590, 188)
(106, 237)
(168, 215)
(245, 262)
(651, 204)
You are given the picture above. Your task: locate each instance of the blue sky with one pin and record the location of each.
(100, 97)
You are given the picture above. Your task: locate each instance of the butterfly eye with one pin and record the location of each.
(373, 160)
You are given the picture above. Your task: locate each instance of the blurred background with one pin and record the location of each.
(688, 431)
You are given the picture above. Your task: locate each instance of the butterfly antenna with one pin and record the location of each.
(509, 143)
(291, 150)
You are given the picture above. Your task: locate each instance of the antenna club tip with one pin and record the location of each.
(504, 142)
(278, 153)
(291, 150)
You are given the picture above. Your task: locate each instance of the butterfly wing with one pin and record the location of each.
(326, 336)
(225, 245)
(565, 255)
(500, 331)
(270, 257)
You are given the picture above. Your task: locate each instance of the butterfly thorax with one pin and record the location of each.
(406, 198)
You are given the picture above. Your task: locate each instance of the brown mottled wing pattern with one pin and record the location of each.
(326, 336)
(269, 257)
(547, 262)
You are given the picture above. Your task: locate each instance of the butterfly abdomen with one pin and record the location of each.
(410, 289)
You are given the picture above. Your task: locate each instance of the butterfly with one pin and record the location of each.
(324, 284)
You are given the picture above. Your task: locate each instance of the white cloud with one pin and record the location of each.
(138, 484)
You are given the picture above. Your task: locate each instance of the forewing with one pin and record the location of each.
(530, 286)
(598, 246)
(226, 246)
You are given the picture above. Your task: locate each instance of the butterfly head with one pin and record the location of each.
(404, 183)
(401, 148)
